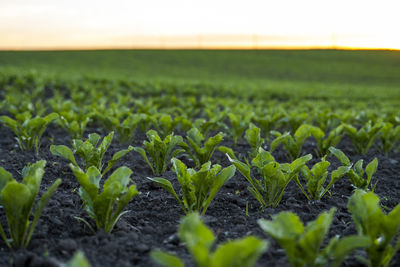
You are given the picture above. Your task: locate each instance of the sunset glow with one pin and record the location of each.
(73, 24)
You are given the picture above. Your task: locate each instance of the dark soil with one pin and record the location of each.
(154, 215)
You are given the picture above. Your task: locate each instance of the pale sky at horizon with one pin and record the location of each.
(28, 24)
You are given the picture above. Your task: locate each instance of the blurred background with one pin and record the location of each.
(207, 24)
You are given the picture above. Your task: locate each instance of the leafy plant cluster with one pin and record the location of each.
(184, 131)
(27, 111)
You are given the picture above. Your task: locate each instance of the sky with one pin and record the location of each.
(76, 24)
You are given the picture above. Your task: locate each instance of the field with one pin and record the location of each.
(283, 115)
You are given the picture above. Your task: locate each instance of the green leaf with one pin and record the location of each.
(197, 237)
(39, 208)
(370, 170)
(10, 123)
(17, 202)
(78, 260)
(89, 181)
(239, 253)
(165, 259)
(164, 183)
(117, 156)
(63, 151)
(142, 153)
(343, 247)
(278, 140)
(340, 156)
(228, 151)
(5, 177)
(284, 226)
(120, 176)
(221, 178)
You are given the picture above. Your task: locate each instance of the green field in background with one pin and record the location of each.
(309, 72)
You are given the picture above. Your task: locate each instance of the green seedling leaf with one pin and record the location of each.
(164, 183)
(78, 260)
(116, 157)
(228, 151)
(63, 151)
(380, 228)
(40, 207)
(339, 249)
(165, 259)
(340, 156)
(199, 240)
(239, 253)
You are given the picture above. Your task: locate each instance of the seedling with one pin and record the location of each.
(365, 137)
(316, 177)
(293, 145)
(199, 240)
(90, 152)
(201, 152)
(28, 130)
(198, 187)
(302, 244)
(17, 200)
(356, 174)
(379, 228)
(105, 207)
(254, 139)
(160, 151)
(274, 176)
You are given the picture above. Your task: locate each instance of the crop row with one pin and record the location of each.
(184, 127)
(198, 188)
(302, 244)
(129, 110)
(385, 136)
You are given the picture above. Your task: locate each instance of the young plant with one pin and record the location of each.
(75, 122)
(302, 244)
(105, 207)
(254, 139)
(356, 174)
(294, 144)
(274, 176)
(380, 228)
(214, 121)
(316, 177)
(28, 130)
(160, 151)
(324, 143)
(268, 122)
(126, 129)
(202, 152)
(239, 123)
(389, 137)
(199, 240)
(90, 152)
(365, 137)
(198, 187)
(17, 201)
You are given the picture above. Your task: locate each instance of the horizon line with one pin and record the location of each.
(244, 48)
